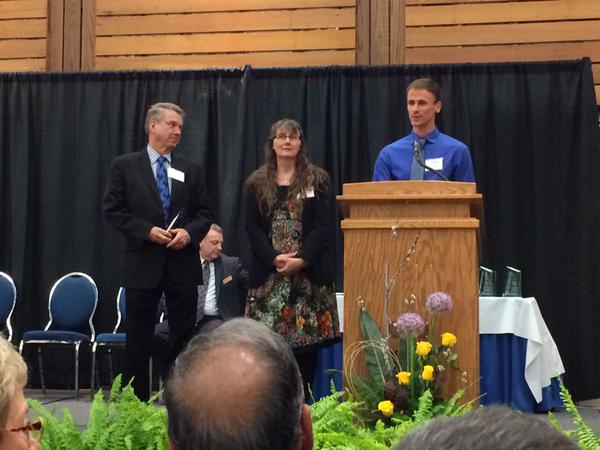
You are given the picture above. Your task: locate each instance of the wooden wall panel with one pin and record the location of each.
(255, 59)
(23, 29)
(154, 34)
(380, 31)
(456, 31)
(145, 34)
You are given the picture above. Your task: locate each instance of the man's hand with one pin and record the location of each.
(181, 238)
(160, 236)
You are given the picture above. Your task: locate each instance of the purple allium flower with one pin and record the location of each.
(439, 302)
(409, 324)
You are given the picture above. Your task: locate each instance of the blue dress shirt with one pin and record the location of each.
(395, 160)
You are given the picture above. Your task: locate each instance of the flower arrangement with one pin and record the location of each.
(396, 379)
(406, 357)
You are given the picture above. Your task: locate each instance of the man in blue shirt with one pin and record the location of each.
(440, 152)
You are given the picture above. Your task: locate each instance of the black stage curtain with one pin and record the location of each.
(531, 127)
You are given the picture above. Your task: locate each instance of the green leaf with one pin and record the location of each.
(124, 422)
(378, 368)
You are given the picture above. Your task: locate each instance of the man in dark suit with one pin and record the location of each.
(160, 203)
(222, 297)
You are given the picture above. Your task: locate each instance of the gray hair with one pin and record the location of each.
(496, 427)
(156, 112)
(216, 228)
(210, 407)
(13, 376)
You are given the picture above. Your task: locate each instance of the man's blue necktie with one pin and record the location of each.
(417, 171)
(163, 186)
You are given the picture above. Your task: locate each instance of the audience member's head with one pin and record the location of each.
(14, 428)
(238, 387)
(493, 427)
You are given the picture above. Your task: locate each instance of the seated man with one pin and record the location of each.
(496, 427)
(237, 387)
(221, 297)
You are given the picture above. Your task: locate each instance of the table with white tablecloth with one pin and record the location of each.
(519, 360)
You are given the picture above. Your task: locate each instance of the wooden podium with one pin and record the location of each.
(445, 214)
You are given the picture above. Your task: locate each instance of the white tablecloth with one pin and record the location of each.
(522, 317)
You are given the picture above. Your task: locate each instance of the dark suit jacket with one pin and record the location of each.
(132, 205)
(317, 239)
(231, 283)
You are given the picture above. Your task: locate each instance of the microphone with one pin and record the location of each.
(418, 150)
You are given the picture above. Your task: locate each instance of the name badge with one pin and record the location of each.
(435, 163)
(308, 193)
(227, 279)
(176, 174)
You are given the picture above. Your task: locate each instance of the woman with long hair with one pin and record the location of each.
(289, 227)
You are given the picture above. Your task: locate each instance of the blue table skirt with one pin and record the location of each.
(328, 357)
(502, 369)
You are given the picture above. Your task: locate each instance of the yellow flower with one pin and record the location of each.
(423, 348)
(448, 339)
(427, 373)
(386, 407)
(403, 377)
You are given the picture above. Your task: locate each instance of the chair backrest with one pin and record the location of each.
(8, 299)
(72, 303)
(121, 312)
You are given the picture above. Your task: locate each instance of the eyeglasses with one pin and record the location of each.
(34, 430)
(283, 137)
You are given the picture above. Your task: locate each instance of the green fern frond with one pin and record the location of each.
(123, 423)
(585, 436)
(424, 412)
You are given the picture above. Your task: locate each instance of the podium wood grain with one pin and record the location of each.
(445, 260)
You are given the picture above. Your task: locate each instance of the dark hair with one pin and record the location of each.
(427, 84)
(257, 412)
(496, 427)
(306, 175)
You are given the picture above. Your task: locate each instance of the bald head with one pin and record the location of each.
(232, 369)
(236, 387)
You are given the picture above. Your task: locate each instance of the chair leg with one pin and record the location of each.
(150, 376)
(111, 372)
(93, 374)
(41, 368)
(77, 344)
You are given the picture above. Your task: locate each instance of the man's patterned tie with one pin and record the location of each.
(163, 187)
(202, 289)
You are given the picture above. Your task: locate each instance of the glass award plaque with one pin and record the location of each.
(487, 282)
(512, 285)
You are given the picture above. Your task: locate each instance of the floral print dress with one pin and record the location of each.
(303, 313)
